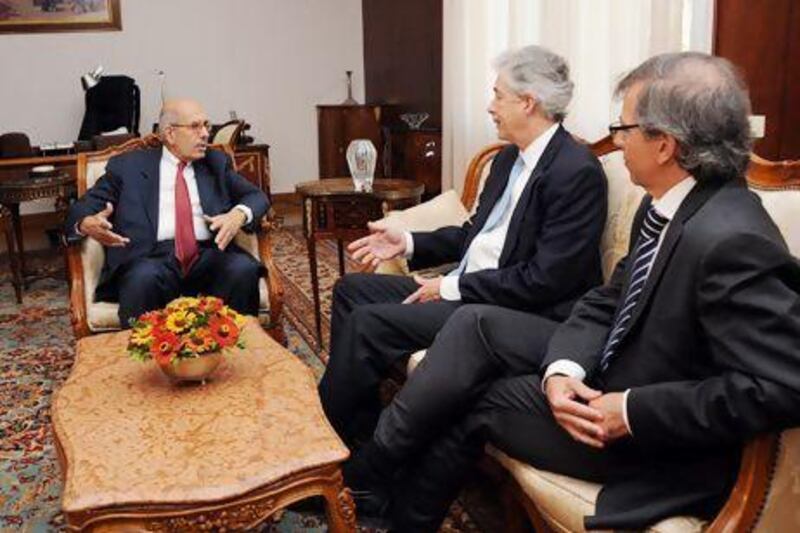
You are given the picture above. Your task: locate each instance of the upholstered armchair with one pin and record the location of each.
(767, 491)
(228, 134)
(85, 259)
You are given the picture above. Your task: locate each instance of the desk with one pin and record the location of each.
(14, 192)
(332, 209)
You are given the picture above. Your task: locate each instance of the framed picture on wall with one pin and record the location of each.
(26, 16)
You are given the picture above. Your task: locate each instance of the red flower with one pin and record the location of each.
(155, 318)
(224, 331)
(165, 346)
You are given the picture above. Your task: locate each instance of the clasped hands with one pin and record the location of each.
(385, 243)
(588, 415)
(99, 227)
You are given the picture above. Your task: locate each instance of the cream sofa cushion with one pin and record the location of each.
(564, 501)
(103, 316)
(445, 209)
(623, 200)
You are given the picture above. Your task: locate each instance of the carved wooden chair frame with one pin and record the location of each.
(78, 311)
(746, 501)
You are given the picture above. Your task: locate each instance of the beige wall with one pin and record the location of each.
(270, 60)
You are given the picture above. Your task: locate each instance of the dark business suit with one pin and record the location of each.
(712, 358)
(145, 271)
(550, 257)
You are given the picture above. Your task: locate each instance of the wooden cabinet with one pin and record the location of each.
(340, 124)
(422, 159)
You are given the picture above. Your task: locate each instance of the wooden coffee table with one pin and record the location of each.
(140, 453)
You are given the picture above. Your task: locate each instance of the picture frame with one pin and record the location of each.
(41, 16)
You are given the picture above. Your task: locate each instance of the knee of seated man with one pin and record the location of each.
(348, 285)
(469, 314)
(145, 274)
(367, 318)
(241, 268)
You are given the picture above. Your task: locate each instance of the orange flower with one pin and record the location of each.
(224, 331)
(165, 346)
(200, 341)
(210, 304)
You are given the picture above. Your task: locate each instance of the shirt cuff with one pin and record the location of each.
(449, 289)
(625, 411)
(78, 230)
(248, 213)
(563, 367)
(409, 245)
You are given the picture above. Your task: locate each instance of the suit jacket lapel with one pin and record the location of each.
(514, 226)
(493, 195)
(150, 187)
(205, 187)
(696, 198)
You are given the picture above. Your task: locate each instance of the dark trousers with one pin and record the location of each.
(371, 330)
(152, 282)
(479, 384)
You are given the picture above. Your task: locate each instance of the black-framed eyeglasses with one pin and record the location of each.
(617, 127)
(195, 126)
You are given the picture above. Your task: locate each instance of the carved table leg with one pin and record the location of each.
(312, 262)
(339, 507)
(16, 279)
(15, 252)
(340, 246)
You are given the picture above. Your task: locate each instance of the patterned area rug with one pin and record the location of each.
(36, 353)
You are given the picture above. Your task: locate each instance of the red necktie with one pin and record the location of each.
(185, 241)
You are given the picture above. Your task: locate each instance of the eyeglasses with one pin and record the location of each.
(196, 127)
(617, 127)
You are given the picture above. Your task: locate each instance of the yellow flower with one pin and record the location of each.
(142, 335)
(177, 321)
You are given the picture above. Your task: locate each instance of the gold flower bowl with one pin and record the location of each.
(194, 368)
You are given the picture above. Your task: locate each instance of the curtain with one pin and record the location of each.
(600, 39)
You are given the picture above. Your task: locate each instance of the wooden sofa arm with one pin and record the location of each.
(270, 223)
(77, 291)
(744, 505)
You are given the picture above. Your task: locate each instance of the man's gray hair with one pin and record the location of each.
(703, 103)
(166, 118)
(536, 71)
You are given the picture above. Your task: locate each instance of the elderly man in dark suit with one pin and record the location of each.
(533, 244)
(167, 216)
(654, 382)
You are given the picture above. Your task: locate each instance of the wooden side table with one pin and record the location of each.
(332, 209)
(14, 192)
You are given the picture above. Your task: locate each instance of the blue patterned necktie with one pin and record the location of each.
(500, 208)
(643, 257)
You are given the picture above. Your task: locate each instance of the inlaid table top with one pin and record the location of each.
(129, 439)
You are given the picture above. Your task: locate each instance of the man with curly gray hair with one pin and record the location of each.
(655, 381)
(532, 244)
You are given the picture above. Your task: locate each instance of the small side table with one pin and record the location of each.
(332, 209)
(14, 192)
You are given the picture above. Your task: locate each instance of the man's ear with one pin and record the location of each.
(667, 149)
(529, 103)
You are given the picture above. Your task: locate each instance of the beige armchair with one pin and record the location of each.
(85, 259)
(767, 491)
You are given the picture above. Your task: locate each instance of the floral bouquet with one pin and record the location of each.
(188, 328)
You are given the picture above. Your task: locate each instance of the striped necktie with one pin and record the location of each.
(643, 257)
(500, 209)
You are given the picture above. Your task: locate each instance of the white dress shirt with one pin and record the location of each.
(485, 249)
(666, 206)
(168, 172)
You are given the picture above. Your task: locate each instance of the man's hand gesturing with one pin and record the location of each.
(99, 228)
(382, 244)
(226, 226)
